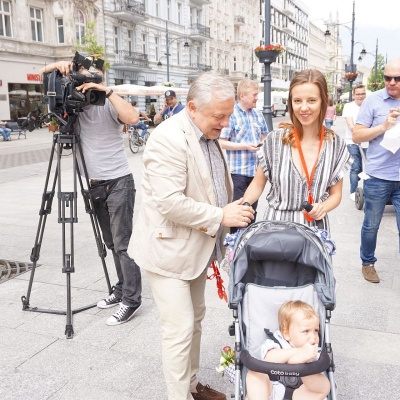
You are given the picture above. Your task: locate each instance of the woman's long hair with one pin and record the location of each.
(306, 76)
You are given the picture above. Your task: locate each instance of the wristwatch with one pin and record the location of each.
(109, 93)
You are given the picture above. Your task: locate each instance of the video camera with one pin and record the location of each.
(60, 91)
(61, 95)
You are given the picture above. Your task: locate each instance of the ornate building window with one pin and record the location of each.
(80, 25)
(36, 16)
(60, 30)
(5, 19)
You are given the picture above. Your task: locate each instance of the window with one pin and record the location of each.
(144, 43)
(178, 53)
(116, 39)
(5, 19)
(130, 41)
(36, 16)
(168, 10)
(80, 24)
(60, 30)
(157, 5)
(157, 47)
(180, 13)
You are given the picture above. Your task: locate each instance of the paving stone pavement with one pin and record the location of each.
(124, 362)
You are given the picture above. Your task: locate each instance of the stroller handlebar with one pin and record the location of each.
(308, 207)
(276, 370)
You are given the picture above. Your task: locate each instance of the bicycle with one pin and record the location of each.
(135, 140)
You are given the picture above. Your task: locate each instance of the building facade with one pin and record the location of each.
(155, 42)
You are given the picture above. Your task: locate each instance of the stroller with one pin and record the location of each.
(274, 262)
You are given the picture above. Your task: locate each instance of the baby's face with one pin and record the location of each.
(302, 330)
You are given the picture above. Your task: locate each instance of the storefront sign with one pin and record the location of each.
(33, 77)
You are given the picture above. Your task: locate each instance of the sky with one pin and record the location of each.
(373, 20)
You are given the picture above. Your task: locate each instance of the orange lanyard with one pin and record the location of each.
(310, 176)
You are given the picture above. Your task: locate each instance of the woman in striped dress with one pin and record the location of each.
(302, 159)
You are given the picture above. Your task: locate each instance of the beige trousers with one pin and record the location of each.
(181, 305)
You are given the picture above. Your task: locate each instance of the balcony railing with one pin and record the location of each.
(200, 31)
(132, 6)
(201, 67)
(131, 58)
(129, 10)
(239, 20)
(223, 71)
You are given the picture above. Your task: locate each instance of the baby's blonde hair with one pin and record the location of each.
(288, 309)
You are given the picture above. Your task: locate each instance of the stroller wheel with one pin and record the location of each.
(359, 199)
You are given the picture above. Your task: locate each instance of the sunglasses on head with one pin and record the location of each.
(389, 78)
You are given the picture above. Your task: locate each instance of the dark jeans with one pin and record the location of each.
(115, 219)
(356, 167)
(377, 193)
(240, 184)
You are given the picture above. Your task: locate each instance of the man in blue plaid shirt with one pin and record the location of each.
(247, 128)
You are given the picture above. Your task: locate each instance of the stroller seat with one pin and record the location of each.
(274, 262)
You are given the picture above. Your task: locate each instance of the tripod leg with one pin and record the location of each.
(45, 210)
(68, 200)
(89, 207)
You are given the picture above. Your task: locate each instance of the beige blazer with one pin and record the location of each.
(175, 232)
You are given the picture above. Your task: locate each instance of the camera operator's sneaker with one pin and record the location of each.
(110, 301)
(124, 314)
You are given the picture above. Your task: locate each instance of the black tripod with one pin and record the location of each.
(67, 216)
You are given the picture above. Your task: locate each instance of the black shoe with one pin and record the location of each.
(124, 314)
(109, 301)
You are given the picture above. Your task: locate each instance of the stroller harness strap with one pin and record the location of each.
(272, 337)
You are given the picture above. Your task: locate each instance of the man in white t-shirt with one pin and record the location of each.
(350, 112)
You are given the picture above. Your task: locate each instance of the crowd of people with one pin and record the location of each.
(192, 196)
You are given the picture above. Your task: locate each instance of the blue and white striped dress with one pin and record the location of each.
(288, 187)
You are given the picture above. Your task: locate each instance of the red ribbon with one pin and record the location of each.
(217, 276)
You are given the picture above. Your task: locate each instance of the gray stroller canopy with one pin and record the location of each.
(278, 253)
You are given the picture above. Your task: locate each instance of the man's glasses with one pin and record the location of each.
(389, 78)
(360, 94)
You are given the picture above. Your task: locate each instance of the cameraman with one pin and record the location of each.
(99, 129)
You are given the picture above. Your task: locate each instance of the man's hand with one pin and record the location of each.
(237, 215)
(391, 120)
(91, 85)
(252, 147)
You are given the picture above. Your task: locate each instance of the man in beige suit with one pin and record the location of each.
(184, 215)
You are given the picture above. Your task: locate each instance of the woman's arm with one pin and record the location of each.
(256, 187)
(319, 210)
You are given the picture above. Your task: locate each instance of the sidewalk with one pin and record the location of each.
(124, 362)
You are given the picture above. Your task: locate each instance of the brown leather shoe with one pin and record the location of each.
(206, 393)
(370, 274)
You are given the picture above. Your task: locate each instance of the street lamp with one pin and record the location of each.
(267, 108)
(168, 43)
(364, 53)
(327, 33)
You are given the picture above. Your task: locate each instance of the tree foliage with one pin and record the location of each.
(376, 76)
(90, 45)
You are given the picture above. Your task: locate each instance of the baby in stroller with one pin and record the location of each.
(275, 262)
(295, 342)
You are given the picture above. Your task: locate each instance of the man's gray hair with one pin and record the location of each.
(210, 85)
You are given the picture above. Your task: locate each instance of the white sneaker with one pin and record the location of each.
(352, 196)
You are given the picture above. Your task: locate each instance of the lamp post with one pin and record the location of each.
(168, 44)
(352, 69)
(267, 108)
(363, 53)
